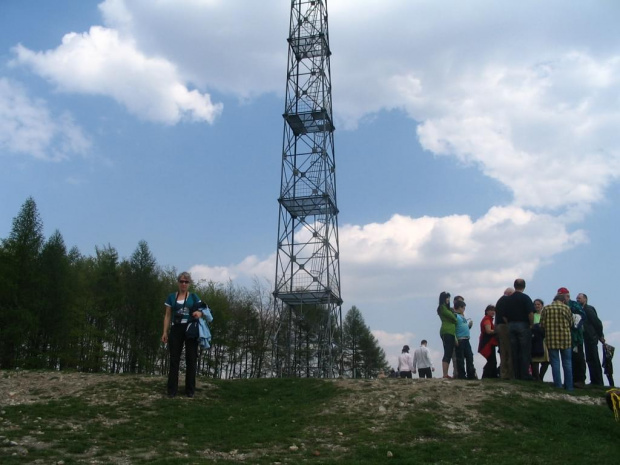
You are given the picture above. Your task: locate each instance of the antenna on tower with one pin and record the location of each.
(307, 286)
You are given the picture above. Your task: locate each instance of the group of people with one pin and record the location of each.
(530, 336)
(420, 362)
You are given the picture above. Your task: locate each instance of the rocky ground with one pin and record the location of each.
(379, 401)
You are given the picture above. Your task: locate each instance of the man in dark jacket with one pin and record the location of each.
(592, 334)
(520, 316)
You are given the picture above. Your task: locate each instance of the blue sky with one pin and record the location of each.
(476, 142)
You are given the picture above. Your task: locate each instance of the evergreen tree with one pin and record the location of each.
(362, 355)
(21, 279)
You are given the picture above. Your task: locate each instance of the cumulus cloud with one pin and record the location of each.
(537, 114)
(244, 272)
(28, 127)
(524, 129)
(101, 62)
(236, 47)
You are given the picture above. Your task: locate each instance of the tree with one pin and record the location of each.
(362, 356)
(21, 278)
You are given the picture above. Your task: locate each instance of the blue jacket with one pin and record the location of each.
(462, 327)
(204, 334)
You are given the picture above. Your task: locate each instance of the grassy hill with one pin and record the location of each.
(50, 417)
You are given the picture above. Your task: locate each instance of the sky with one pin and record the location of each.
(476, 142)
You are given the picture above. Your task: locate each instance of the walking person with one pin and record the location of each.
(447, 331)
(178, 315)
(405, 363)
(422, 361)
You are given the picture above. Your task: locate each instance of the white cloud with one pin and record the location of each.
(243, 273)
(538, 114)
(101, 62)
(403, 259)
(236, 47)
(28, 127)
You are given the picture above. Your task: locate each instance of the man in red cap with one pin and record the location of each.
(579, 359)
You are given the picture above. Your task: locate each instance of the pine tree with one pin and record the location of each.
(21, 279)
(362, 355)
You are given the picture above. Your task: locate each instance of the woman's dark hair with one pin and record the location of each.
(489, 307)
(541, 302)
(405, 349)
(442, 300)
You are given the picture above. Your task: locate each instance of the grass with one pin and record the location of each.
(128, 420)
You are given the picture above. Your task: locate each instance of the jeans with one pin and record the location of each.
(465, 355)
(520, 348)
(567, 367)
(406, 374)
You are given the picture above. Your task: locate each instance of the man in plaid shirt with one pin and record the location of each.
(557, 320)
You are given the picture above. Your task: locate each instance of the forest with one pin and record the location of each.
(62, 310)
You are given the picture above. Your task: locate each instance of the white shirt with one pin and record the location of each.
(405, 362)
(422, 358)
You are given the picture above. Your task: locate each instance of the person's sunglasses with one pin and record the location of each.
(183, 281)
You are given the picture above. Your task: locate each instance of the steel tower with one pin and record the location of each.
(307, 266)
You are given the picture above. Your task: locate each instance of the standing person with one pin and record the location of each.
(178, 307)
(576, 332)
(608, 366)
(592, 334)
(455, 367)
(405, 363)
(520, 316)
(447, 331)
(422, 361)
(540, 354)
(556, 319)
(488, 342)
(503, 335)
(464, 354)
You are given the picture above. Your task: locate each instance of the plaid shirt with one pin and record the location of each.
(557, 321)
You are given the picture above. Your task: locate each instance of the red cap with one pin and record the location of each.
(563, 290)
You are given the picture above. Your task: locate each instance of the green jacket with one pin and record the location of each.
(448, 321)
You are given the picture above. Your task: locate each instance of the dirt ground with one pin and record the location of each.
(26, 387)
(378, 401)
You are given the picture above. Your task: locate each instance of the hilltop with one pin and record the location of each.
(98, 418)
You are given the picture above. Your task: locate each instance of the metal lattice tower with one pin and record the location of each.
(307, 265)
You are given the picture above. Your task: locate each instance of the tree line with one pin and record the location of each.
(62, 310)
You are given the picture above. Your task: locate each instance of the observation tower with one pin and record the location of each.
(307, 283)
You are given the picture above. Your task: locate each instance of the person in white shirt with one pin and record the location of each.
(422, 360)
(405, 363)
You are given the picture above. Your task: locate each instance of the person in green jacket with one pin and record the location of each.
(447, 331)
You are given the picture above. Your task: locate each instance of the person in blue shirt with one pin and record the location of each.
(464, 354)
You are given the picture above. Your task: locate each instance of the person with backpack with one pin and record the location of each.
(182, 311)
